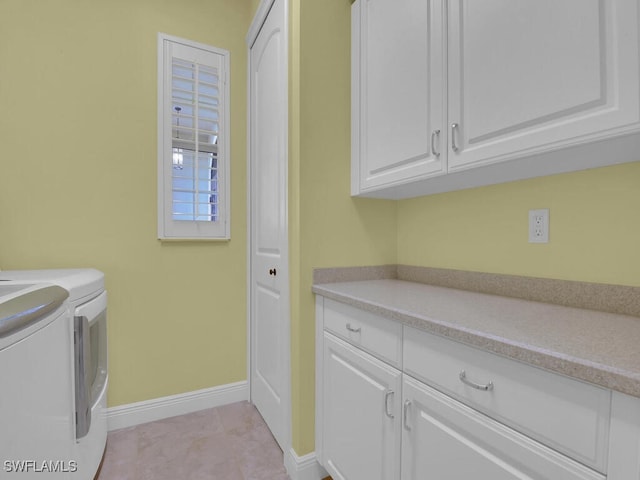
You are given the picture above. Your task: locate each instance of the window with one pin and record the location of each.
(193, 140)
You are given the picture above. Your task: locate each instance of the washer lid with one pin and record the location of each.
(23, 305)
(79, 282)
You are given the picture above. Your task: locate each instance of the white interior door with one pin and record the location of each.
(269, 285)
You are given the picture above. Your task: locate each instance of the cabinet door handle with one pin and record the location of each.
(454, 128)
(353, 330)
(407, 404)
(387, 394)
(434, 134)
(486, 387)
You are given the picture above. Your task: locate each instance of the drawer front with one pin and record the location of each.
(377, 335)
(444, 439)
(568, 415)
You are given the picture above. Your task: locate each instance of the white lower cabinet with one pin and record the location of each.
(397, 403)
(361, 416)
(444, 439)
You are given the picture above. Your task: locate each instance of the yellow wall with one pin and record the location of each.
(78, 181)
(594, 227)
(332, 229)
(482, 229)
(254, 4)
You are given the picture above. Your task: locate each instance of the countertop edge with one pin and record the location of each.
(574, 367)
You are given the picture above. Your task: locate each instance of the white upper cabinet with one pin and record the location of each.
(528, 76)
(516, 89)
(397, 92)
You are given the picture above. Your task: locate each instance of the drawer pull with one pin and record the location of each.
(353, 330)
(463, 378)
(407, 404)
(387, 394)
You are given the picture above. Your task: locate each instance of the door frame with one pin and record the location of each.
(256, 25)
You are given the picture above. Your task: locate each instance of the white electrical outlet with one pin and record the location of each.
(539, 226)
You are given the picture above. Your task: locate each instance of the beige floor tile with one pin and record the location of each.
(230, 442)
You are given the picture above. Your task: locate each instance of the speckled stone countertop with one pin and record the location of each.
(600, 348)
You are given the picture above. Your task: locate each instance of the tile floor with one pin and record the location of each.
(230, 442)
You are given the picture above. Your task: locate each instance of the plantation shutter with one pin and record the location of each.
(195, 158)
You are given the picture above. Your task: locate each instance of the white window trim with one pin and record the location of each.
(168, 229)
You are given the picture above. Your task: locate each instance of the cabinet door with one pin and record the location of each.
(443, 439)
(528, 77)
(361, 414)
(397, 92)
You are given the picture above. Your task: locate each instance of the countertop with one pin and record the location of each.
(600, 348)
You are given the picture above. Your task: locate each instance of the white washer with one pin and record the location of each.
(87, 331)
(36, 381)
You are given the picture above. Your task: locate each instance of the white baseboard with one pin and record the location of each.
(303, 468)
(164, 407)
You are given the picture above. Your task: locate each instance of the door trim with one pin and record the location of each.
(256, 25)
(258, 20)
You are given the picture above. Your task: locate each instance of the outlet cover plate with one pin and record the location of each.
(539, 226)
